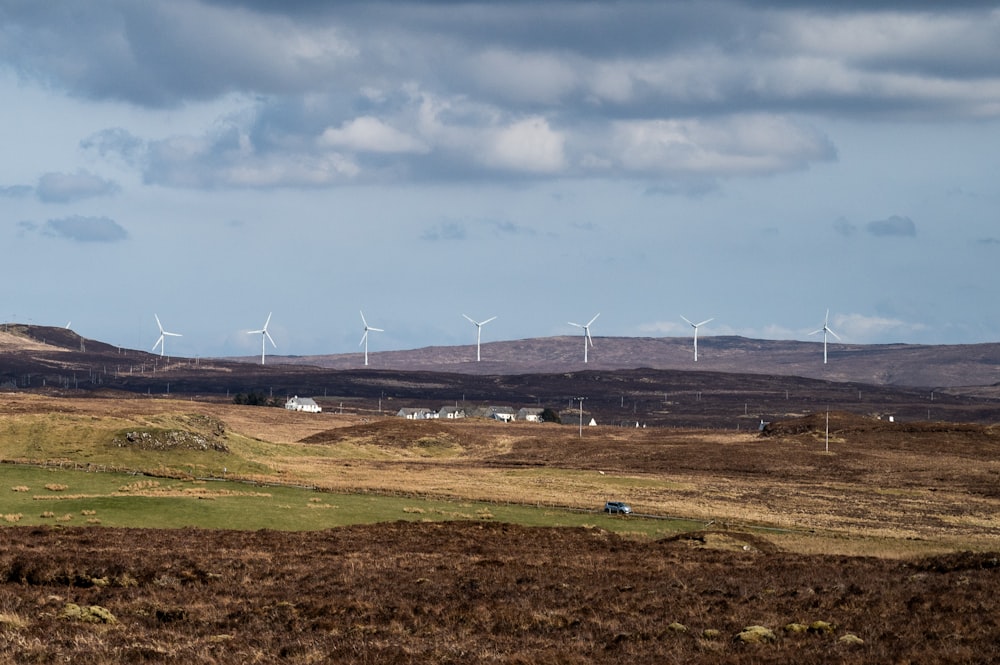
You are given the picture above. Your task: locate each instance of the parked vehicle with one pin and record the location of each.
(617, 508)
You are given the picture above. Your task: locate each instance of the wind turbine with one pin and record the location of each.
(364, 338)
(586, 334)
(163, 334)
(825, 329)
(479, 331)
(264, 335)
(696, 326)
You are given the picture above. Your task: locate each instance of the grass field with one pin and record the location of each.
(33, 496)
(878, 491)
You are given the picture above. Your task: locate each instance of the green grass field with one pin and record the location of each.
(33, 496)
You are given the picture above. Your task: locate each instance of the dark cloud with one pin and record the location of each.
(85, 229)
(69, 187)
(893, 226)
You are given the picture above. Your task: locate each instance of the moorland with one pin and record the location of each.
(832, 535)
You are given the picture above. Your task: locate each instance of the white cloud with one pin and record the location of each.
(369, 134)
(736, 145)
(862, 329)
(528, 145)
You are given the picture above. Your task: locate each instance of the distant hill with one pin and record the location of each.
(909, 365)
(736, 382)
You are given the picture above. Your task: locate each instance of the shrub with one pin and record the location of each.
(56, 487)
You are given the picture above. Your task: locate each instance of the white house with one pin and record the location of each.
(416, 414)
(307, 404)
(530, 415)
(451, 412)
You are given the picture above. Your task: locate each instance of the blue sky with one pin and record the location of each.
(756, 162)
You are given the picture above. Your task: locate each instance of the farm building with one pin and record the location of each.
(307, 404)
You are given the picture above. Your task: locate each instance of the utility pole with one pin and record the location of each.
(581, 415)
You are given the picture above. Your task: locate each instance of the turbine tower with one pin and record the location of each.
(587, 339)
(479, 331)
(825, 329)
(163, 334)
(364, 338)
(696, 326)
(264, 336)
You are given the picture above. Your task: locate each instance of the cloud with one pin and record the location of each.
(369, 134)
(861, 329)
(511, 229)
(444, 231)
(735, 145)
(844, 227)
(988, 241)
(85, 229)
(70, 187)
(15, 191)
(893, 226)
(118, 142)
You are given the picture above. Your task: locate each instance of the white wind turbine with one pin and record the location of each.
(264, 336)
(364, 338)
(587, 339)
(163, 334)
(825, 329)
(696, 326)
(479, 330)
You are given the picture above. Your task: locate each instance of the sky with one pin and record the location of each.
(757, 163)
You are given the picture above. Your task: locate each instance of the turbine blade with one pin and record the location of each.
(816, 331)
(593, 319)
(268, 320)
(158, 324)
(487, 320)
(575, 324)
(687, 319)
(363, 319)
(833, 333)
(698, 325)
(590, 339)
(376, 329)
(170, 334)
(472, 320)
(363, 338)
(268, 335)
(158, 342)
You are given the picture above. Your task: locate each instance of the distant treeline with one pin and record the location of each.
(256, 399)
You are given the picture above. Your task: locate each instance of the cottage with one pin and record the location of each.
(306, 404)
(451, 412)
(416, 414)
(530, 415)
(502, 413)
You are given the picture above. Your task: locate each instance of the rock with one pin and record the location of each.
(850, 639)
